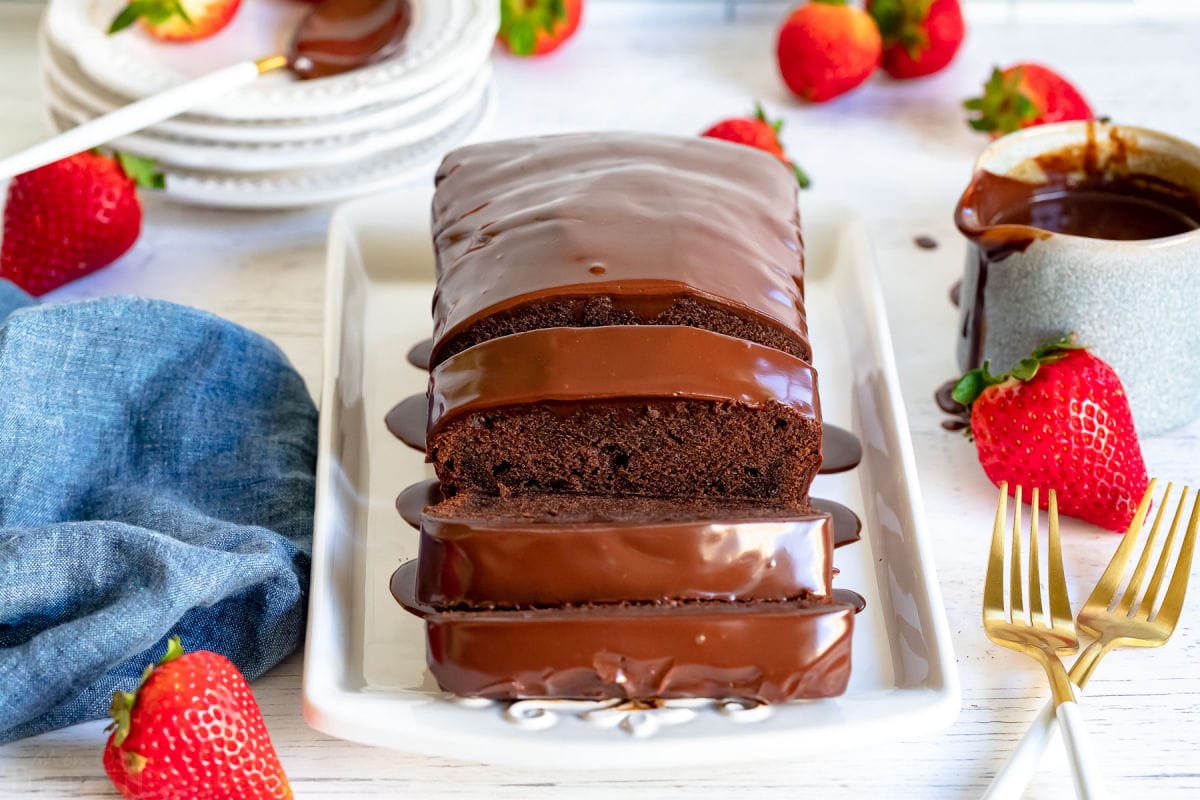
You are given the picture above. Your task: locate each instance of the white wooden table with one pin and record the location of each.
(899, 153)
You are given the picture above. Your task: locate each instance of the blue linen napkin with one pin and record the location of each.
(156, 477)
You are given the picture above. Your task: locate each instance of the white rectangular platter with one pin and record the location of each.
(365, 677)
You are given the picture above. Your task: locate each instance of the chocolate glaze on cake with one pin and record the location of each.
(412, 502)
(616, 229)
(481, 552)
(663, 411)
(770, 652)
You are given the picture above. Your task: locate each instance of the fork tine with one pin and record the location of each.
(993, 582)
(1015, 588)
(1060, 602)
(1110, 581)
(1036, 615)
(1173, 602)
(1129, 599)
(1146, 606)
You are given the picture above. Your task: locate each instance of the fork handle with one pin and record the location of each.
(1085, 772)
(1018, 771)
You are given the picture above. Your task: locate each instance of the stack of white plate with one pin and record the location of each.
(281, 142)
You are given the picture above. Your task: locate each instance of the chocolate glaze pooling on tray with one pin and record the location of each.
(407, 421)
(634, 218)
(840, 449)
(420, 354)
(765, 651)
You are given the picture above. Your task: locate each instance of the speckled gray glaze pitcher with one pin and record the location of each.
(1136, 302)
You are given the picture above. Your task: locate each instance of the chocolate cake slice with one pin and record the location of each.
(642, 410)
(540, 550)
(587, 230)
(769, 652)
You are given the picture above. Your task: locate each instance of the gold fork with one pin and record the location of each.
(1129, 624)
(1043, 637)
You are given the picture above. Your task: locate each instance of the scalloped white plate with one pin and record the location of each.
(365, 676)
(324, 185)
(273, 157)
(445, 35)
(72, 84)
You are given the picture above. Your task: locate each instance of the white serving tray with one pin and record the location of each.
(364, 669)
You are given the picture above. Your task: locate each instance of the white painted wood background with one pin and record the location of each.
(900, 154)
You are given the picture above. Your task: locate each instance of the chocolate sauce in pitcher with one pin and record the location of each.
(1082, 190)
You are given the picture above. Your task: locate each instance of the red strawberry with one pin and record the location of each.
(760, 132)
(535, 27)
(827, 48)
(1025, 95)
(177, 20)
(67, 219)
(1060, 421)
(192, 731)
(920, 37)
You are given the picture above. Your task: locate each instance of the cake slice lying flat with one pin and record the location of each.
(655, 411)
(769, 652)
(616, 229)
(543, 550)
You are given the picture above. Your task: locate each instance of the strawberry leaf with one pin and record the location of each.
(119, 710)
(154, 12)
(801, 176)
(975, 381)
(760, 114)
(1003, 107)
(122, 702)
(972, 384)
(903, 22)
(129, 15)
(143, 171)
(522, 20)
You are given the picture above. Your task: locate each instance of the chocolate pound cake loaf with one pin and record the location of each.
(659, 411)
(625, 425)
(587, 230)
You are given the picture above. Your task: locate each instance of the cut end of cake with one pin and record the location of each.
(660, 448)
